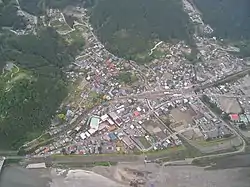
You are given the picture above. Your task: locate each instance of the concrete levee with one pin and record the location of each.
(2, 160)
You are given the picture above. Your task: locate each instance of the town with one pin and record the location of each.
(118, 106)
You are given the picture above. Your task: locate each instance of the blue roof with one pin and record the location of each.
(112, 136)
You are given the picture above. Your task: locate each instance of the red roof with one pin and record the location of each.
(136, 113)
(234, 116)
(81, 152)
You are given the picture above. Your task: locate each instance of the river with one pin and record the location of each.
(15, 176)
(232, 171)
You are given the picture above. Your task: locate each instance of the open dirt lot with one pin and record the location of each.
(174, 176)
(230, 105)
(185, 117)
(155, 128)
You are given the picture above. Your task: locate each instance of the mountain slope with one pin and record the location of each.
(129, 28)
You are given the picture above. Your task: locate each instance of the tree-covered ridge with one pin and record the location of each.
(127, 28)
(230, 20)
(9, 16)
(33, 84)
(34, 88)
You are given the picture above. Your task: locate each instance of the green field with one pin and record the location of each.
(144, 142)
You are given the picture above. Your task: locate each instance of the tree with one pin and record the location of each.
(127, 77)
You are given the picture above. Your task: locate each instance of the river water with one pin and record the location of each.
(14, 176)
(229, 172)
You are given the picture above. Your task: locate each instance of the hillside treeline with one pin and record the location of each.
(30, 97)
(230, 20)
(128, 28)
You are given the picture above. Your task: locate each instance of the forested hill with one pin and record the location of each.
(128, 28)
(34, 88)
(8, 16)
(230, 19)
(32, 83)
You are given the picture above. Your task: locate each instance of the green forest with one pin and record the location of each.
(32, 90)
(30, 97)
(230, 19)
(8, 15)
(129, 28)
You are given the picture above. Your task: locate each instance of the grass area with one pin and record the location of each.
(44, 137)
(76, 35)
(61, 26)
(143, 57)
(7, 153)
(104, 163)
(87, 165)
(166, 151)
(192, 151)
(96, 155)
(137, 153)
(75, 90)
(175, 153)
(144, 142)
(212, 142)
(12, 161)
(158, 54)
(56, 23)
(223, 161)
(128, 77)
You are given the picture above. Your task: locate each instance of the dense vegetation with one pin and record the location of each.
(33, 87)
(230, 19)
(127, 77)
(128, 28)
(214, 108)
(8, 15)
(30, 96)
